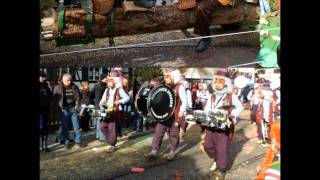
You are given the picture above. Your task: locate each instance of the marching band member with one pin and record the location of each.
(254, 98)
(112, 99)
(189, 105)
(202, 95)
(276, 101)
(217, 141)
(264, 115)
(172, 126)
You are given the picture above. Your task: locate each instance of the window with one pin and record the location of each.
(94, 74)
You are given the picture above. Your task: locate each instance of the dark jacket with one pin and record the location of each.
(85, 97)
(45, 95)
(58, 94)
(97, 92)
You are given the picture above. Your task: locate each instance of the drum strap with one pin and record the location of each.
(213, 98)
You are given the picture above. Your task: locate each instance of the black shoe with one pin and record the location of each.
(202, 45)
(46, 149)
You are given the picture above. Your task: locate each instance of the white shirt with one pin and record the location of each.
(124, 98)
(254, 99)
(203, 95)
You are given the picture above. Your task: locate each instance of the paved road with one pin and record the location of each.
(92, 162)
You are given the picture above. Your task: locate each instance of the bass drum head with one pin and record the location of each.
(161, 103)
(141, 100)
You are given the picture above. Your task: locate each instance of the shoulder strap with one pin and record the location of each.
(229, 102)
(107, 94)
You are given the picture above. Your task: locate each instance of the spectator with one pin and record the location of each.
(45, 96)
(85, 100)
(66, 94)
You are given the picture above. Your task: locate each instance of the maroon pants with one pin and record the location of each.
(205, 8)
(216, 145)
(110, 131)
(254, 110)
(161, 129)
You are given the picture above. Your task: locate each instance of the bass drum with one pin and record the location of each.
(141, 100)
(161, 103)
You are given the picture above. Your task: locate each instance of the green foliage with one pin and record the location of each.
(273, 5)
(148, 73)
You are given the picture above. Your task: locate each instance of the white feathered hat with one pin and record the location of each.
(174, 73)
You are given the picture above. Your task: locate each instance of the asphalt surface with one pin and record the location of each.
(92, 162)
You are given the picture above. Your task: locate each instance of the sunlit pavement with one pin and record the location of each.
(93, 162)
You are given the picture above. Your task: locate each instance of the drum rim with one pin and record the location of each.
(174, 99)
(136, 99)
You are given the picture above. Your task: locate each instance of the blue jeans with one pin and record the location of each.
(137, 119)
(264, 6)
(139, 124)
(65, 115)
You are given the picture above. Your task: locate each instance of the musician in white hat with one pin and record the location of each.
(217, 140)
(264, 113)
(202, 95)
(112, 99)
(172, 78)
(275, 86)
(254, 97)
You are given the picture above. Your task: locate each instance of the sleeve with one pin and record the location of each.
(208, 107)
(238, 108)
(189, 98)
(104, 96)
(278, 95)
(78, 96)
(92, 92)
(56, 96)
(124, 97)
(249, 96)
(183, 98)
